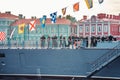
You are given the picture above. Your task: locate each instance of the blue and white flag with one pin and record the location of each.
(43, 21)
(53, 17)
(100, 1)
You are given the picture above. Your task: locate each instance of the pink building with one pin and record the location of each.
(100, 25)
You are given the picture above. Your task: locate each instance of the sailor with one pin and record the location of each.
(43, 41)
(64, 42)
(61, 41)
(103, 39)
(48, 41)
(73, 41)
(83, 42)
(76, 42)
(110, 38)
(94, 42)
(69, 41)
(55, 41)
(86, 41)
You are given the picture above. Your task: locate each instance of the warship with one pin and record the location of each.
(52, 53)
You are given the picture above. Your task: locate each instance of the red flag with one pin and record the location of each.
(32, 25)
(2, 36)
(76, 7)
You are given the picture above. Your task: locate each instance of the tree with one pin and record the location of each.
(60, 16)
(71, 18)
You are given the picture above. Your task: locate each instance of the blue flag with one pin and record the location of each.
(100, 1)
(53, 17)
(43, 21)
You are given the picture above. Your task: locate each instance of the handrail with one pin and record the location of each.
(105, 59)
(41, 44)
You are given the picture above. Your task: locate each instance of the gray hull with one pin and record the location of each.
(55, 62)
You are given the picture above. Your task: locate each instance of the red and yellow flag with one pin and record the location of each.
(76, 7)
(21, 28)
(63, 11)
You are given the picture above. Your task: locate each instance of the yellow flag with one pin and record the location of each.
(89, 3)
(21, 28)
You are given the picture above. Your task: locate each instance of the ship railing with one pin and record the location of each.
(105, 59)
(41, 44)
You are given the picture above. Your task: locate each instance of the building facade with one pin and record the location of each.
(6, 19)
(61, 27)
(100, 25)
(9, 24)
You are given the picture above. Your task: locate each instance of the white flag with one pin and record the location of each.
(12, 33)
(32, 25)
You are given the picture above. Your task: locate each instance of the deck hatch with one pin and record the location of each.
(2, 55)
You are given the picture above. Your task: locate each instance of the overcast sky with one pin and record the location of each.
(39, 8)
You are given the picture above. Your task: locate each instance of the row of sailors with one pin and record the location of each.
(72, 41)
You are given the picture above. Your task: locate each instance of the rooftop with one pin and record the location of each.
(48, 21)
(8, 15)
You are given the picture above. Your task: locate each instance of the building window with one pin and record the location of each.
(119, 28)
(63, 29)
(87, 29)
(46, 29)
(49, 30)
(60, 29)
(105, 28)
(75, 30)
(93, 28)
(71, 29)
(81, 29)
(99, 28)
(55, 29)
(8, 23)
(3, 22)
(112, 29)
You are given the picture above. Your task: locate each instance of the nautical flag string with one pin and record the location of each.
(76, 7)
(89, 3)
(32, 25)
(43, 21)
(64, 11)
(53, 17)
(100, 1)
(2, 36)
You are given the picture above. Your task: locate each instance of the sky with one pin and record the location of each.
(39, 8)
